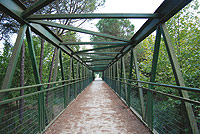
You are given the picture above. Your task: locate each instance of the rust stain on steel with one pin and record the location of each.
(97, 111)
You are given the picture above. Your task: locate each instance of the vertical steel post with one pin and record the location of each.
(118, 83)
(152, 79)
(139, 84)
(124, 72)
(63, 78)
(82, 77)
(112, 75)
(12, 66)
(130, 77)
(121, 71)
(85, 77)
(178, 76)
(116, 77)
(77, 76)
(41, 102)
(70, 77)
(73, 77)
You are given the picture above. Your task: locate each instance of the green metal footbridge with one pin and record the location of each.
(40, 112)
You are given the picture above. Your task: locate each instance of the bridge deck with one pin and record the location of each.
(97, 110)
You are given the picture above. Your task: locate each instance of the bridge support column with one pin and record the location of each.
(41, 101)
(63, 78)
(118, 83)
(124, 73)
(152, 79)
(128, 97)
(139, 84)
(178, 76)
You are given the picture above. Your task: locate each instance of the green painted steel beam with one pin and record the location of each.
(97, 60)
(63, 79)
(7, 81)
(98, 66)
(95, 57)
(41, 102)
(13, 59)
(93, 64)
(12, 9)
(99, 48)
(95, 16)
(71, 28)
(128, 99)
(137, 73)
(96, 53)
(15, 10)
(93, 43)
(50, 37)
(35, 7)
(179, 77)
(167, 9)
(152, 79)
(32, 55)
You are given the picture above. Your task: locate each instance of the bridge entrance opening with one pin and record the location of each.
(98, 75)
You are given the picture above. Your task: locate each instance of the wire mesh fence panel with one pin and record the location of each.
(123, 92)
(58, 101)
(17, 119)
(169, 108)
(170, 116)
(38, 107)
(49, 97)
(135, 100)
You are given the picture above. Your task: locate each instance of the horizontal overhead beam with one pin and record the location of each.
(94, 16)
(103, 66)
(35, 7)
(100, 48)
(97, 53)
(97, 69)
(96, 61)
(167, 9)
(92, 60)
(97, 57)
(15, 9)
(15, 12)
(43, 32)
(71, 28)
(94, 43)
(94, 64)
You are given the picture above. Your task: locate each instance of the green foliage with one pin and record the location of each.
(117, 27)
(184, 29)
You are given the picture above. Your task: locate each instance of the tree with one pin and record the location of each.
(120, 28)
(9, 26)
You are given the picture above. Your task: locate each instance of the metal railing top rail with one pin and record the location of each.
(37, 92)
(162, 93)
(38, 85)
(164, 85)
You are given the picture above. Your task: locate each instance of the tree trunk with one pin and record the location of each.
(21, 101)
(41, 58)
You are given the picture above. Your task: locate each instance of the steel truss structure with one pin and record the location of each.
(97, 61)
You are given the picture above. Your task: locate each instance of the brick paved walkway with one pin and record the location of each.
(97, 110)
